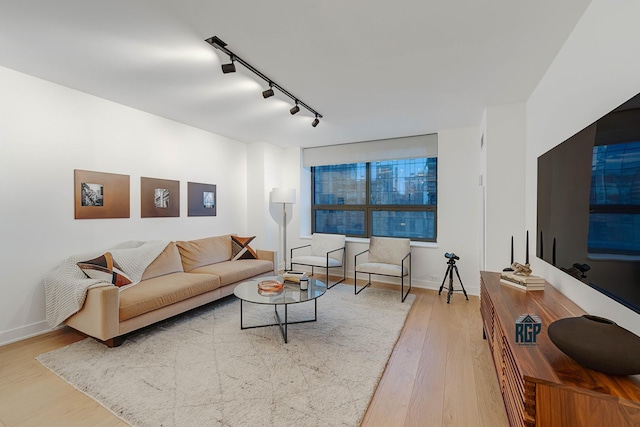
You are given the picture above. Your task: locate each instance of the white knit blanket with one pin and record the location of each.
(66, 287)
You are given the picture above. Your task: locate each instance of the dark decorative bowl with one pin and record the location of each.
(597, 343)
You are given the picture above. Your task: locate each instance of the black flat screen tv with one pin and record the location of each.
(588, 210)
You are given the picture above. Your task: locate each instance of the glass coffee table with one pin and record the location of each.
(291, 294)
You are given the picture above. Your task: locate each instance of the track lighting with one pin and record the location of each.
(269, 92)
(216, 42)
(229, 68)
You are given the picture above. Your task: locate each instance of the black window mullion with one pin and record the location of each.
(388, 220)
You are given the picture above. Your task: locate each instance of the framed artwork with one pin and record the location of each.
(159, 198)
(202, 199)
(100, 195)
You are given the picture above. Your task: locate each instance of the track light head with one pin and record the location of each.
(269, 92)
(229, 68)
(315, 122)
(295, 109)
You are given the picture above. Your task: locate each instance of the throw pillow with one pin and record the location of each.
(105, 268)
(240, 248)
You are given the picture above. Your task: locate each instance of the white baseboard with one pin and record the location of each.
(24, 332)
(471, 290)
(416, 283)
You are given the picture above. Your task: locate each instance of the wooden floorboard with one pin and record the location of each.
(440, 373)
(425, 409)
(31, 395)
(454, 382)
(486, 384)
(459, 368)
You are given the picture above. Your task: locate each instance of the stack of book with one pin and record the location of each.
(526, 283)
(294, 276)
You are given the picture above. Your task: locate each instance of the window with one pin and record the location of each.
(614, 212)
(393, 198)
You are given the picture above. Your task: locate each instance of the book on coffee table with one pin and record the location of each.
(294, 276)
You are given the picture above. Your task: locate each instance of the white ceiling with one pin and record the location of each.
(374, 69)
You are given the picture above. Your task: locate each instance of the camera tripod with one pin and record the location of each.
(451, 265)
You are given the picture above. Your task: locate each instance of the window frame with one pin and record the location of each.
(605, 207)
(368, 208)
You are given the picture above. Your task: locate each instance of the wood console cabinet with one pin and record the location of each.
(540, 385)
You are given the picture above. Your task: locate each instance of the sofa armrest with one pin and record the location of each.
(99, 317)
(268, 256)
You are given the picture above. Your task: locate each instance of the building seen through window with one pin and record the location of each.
(394, 198)
(614, 205)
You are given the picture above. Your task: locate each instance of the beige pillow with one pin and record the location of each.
(197, 253)
(166, 263)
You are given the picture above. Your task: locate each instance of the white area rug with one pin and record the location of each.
(200, 369)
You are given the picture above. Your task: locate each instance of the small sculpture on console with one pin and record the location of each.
(521, 269)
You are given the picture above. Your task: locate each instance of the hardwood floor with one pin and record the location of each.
(439, 374)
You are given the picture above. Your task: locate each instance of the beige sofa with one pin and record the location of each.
(187, 274)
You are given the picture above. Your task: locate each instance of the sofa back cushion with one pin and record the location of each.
(323, 243)
(196, 253)
(166, 263)
(388, 250)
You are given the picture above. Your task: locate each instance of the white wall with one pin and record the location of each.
(459, 207)
(262, 218)
(267, 168)
(596, 70)
(47, 131)
(504, 178)
(458, 215)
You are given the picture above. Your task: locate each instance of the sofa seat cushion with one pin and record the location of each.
(382, 268)
(151, 294)
(234, 271)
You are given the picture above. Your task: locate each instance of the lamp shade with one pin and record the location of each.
(283, 195)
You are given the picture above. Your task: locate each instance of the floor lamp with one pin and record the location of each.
(284, 196)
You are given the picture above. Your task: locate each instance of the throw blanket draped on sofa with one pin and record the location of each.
(66, 287)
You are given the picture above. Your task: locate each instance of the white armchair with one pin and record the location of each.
(325, 251)
(387, 256)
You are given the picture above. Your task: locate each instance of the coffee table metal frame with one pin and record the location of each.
(248, 292)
